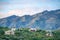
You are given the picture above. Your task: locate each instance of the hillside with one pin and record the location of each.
(25, 34)
(46, 20)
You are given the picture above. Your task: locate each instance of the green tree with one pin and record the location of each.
(2, 32)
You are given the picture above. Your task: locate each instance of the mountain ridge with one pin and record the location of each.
(47, 20)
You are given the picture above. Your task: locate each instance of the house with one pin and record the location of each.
(33, 29)
(11, 31)
(49, 33)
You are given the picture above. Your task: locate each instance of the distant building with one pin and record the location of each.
(10, 32)
(49, 33)
(13, 29)
(32, 29)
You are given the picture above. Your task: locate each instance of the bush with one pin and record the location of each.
(2, 32)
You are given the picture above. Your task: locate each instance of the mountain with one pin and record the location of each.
(46, 20)
(15, 21)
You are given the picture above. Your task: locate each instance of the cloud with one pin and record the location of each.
(21, 12)
(26, 7)
(2, 15)
(1, 8)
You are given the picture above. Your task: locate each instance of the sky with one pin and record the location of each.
(26, 7)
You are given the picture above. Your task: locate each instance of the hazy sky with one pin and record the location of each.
(26, 7)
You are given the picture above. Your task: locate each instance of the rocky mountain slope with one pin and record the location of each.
(44, 20)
